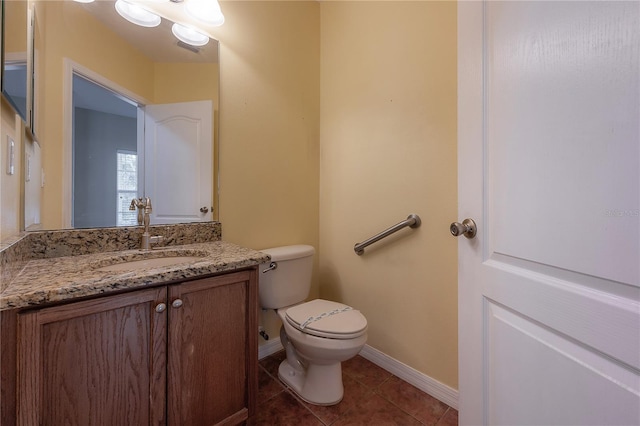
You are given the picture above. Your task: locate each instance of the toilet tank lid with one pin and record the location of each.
(289, 252)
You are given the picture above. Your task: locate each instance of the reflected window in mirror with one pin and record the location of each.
(127, 187)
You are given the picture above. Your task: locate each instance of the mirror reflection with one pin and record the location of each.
(121, 112)
(104, 184)
(14, 71)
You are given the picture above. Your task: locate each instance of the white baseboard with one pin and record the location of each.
(269, 348)
(438, 390)
(423, 382)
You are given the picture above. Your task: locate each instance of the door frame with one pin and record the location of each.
(70, 68)
(471, 141)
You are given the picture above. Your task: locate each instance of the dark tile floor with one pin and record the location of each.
(372, 396)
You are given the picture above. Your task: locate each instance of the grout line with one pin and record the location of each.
(383, 382)
(396, 405)
(301, 402)
(444, 415)
(275, 394)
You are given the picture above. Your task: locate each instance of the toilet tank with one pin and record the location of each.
(290, 282)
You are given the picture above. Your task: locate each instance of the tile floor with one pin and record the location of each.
(372, 396)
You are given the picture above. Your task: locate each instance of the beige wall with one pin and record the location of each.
(10, 126)
(388, 149)
(269, 125)
(15, 31)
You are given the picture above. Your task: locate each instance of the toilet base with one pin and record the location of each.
(317, 384)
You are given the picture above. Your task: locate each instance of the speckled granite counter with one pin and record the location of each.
(20, 249)
(62, 278)
(45, 267)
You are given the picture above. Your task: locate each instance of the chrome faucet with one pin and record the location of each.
(144, 205)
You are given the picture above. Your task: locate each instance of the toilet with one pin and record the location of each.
(317, 335)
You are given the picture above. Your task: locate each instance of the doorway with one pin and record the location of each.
(105, 156)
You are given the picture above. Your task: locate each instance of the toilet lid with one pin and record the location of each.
(324, 318)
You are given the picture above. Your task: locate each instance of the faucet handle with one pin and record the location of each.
(135, 203)
(147, 205)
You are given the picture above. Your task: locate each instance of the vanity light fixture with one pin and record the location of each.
(189, 35)
(207, 11)
(136, 14)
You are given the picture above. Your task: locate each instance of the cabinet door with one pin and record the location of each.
(96, 362)
(213, 354)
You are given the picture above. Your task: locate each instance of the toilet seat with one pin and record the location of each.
(324, 318)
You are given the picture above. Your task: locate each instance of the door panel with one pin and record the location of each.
(96, 362)
(212, 351)
(572, 374)
(549, 160)
(178, 161)
(562, 135)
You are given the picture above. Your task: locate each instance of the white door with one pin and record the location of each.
(549, 160)
(178, 161)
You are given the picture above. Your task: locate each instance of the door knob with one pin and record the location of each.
(161, 307)
(177, 303)
(467, 228)
(204, 209)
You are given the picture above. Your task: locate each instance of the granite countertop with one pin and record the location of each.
(57, 279)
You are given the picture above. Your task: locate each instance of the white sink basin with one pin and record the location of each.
(156, 262)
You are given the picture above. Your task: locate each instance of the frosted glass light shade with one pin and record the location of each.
(136, 14)
(207, 11)
(84, 1)
(189, 35)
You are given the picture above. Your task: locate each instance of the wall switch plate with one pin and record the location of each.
(10, 155)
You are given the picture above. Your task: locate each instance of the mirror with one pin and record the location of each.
(142, 66)
(14, 52)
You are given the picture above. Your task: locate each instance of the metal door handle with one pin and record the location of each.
(177, 303)
(204, 209)
(467, 228)
(160, 307)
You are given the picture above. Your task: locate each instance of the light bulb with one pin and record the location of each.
(207, 11)
(136, 14)
(189, 35)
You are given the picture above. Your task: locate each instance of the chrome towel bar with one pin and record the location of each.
(412, 221)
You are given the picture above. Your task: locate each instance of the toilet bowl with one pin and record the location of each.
(317, 335)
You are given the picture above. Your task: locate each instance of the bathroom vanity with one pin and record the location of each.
(157, 344)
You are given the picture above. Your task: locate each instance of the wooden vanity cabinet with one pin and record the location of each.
(181, 354)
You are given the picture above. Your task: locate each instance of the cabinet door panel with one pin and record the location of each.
(96, 362)
(213, 350)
